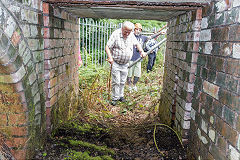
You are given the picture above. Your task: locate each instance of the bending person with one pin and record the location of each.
(119, 49)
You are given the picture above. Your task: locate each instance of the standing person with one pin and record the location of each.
(152, 55)
(135, 71)
(119, 49)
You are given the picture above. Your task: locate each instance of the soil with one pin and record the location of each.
(128, 128)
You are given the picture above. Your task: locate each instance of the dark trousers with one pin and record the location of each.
(151, 61)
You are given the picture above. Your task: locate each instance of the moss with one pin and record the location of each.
(85, 155)
(102, 149)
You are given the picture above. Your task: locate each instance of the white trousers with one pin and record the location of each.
(119, 78)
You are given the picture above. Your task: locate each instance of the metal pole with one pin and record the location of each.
(148, 52)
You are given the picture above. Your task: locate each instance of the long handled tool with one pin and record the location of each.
(158, 32)
(148, 52)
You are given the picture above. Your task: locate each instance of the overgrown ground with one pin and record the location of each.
(123, 132)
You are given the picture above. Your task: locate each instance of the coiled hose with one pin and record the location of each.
(154, 136)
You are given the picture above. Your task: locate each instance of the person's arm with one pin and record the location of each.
(148, 45)
(108, 51)
(141, 51)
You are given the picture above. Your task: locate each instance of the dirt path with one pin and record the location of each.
(127, 130)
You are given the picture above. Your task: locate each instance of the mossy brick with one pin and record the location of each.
(211, 75)
(198, 83)
(211, 20)
(11, 53)
(17, 142)
(204, 73)
(202, 60)
(3, 118)
(18, 131)
(195, 103)
(238, 123)
(17, 119)
(226, 49)
(219, 124)
(220, 19)
(234, 33)
(228, 115)
(207, 10)
(188, 57)
(216, 48)
(220, 34)
(220, 62)
(4, 41)
(232, 15)
(229, 133)
(232, 83)
(34, 88)
(28, 94)
(204, 148)
(221, 78)
(198, 70)
(10, 26)
(233, 67)
(211, 62)
(230, 99)
(209, 101)
(221, 143)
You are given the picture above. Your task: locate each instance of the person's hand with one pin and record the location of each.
(110, 60)
(143, 54)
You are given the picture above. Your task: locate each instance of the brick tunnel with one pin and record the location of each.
(201, 90)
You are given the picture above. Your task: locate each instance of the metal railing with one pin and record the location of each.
(93, 37)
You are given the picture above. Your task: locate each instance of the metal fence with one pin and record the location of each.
(93, 36)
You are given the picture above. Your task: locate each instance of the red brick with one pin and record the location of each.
(17, 142)
(3, 120)
(16, 38)
(18, 131)
(210, 89)
(46, 21)
(233, 67)
(222, 143)
(45, 7)
(199, 14)
(230, 134)
(46, 34)
(20, 154)
(17, 119)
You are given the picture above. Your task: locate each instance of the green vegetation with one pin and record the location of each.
(91, 146)
(145, 23)
(73, 155)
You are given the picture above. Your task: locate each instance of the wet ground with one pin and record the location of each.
(127, 131)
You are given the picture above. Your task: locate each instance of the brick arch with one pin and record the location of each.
(17, 74)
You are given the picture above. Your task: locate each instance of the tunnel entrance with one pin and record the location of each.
(39, 67)
(129, 130)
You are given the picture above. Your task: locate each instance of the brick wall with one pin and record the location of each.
(202, 77)
(180, 69)
(38, 68)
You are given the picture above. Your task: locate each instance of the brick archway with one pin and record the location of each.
(18, 98)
